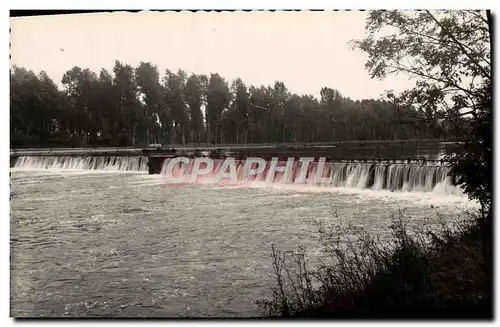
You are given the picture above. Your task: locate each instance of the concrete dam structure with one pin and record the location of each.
(377, 165)
(374, 151)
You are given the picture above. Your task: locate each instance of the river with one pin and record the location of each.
(125, 244)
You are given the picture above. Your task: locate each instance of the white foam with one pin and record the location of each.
(80, 163)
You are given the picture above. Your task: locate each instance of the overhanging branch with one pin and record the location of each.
(460, 45)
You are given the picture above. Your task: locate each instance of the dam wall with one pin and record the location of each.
(418, 152)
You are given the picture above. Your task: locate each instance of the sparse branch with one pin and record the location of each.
(459, 44)
(472, 112)
(260, 107)
(478, 15)
(434, 78)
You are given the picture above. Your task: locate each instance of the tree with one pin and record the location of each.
(80, 88)
(107, 113)
(127, 102)
(449, 55)
(50, 99)
(472, 162)
(446, 52)
(241, 106)
(174, 97)
(194, 92)
(34, 103)
(148, 83)
(218, 99)
(132, 106)
(259, 114)
(280, 96)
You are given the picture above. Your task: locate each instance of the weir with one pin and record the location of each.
(361, 175)
(372, 165)
(376, 176)
(115, 163)
(419, 151)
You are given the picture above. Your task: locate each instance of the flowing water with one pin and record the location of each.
(102, 238)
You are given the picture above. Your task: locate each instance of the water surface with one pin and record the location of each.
(87, 243)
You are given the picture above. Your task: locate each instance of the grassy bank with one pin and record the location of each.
(413, 274)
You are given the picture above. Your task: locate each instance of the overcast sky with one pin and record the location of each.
(305, 50)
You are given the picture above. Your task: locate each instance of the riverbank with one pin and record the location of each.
(420, 275)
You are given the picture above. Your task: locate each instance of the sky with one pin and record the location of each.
(305, 50)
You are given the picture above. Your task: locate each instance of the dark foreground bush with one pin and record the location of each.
(422, 274)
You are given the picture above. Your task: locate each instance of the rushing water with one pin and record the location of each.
(103, 243)
(377, 176)
(83, 163)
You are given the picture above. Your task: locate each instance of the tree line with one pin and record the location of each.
(136, 106)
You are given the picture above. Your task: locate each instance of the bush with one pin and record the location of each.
(424, 273)
(471, 163)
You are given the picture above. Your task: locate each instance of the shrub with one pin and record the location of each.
(363, 276)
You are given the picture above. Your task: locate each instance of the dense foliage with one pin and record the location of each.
(448, 53)
(137, 106)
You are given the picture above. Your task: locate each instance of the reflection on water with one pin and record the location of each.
(122, 244)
